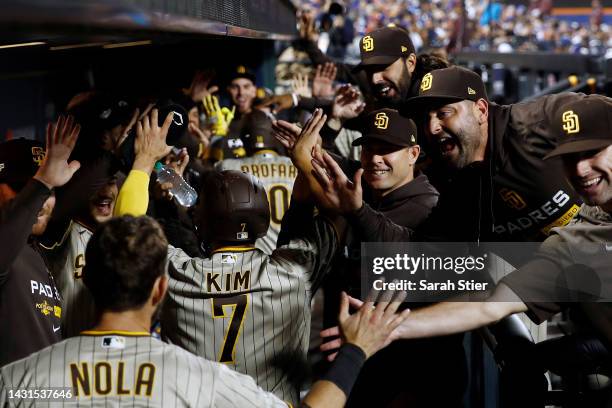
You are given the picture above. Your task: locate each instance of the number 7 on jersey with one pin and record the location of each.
(239, 305)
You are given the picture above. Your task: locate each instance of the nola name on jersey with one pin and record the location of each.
(129, 368)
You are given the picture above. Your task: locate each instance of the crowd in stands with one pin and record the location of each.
(456, 25)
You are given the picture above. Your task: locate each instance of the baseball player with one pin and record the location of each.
(241, 306)
(118, 363)
(64, 248)
(275, 171)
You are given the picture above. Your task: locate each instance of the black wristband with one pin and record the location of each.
(346, 367)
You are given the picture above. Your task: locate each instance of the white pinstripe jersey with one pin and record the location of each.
(66, 261)
(117, 368)
(277, 174)
(248, 309)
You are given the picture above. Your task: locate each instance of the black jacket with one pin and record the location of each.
(513, 195)
(30, 309)
(408, 206)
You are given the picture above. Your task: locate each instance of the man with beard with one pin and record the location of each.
(559, 277)
(493, 183)
(389, 72)
(30, 308)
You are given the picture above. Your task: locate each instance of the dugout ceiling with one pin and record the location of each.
(99, 20)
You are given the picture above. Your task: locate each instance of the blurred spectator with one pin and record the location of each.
(455, 25)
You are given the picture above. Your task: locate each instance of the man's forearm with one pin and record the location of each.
(324, 394)
(448, 318)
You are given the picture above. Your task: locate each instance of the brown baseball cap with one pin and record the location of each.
(582, 125)
(241, 71)
(446, 85)
(19, 161)
(384, 46)
(387, 125)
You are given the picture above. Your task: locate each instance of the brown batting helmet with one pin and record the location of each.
(233, 208)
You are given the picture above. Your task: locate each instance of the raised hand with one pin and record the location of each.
(307, 29)
(199, 87)
(299, 85)
(221, 117)
(371, 326)
(150, 145)
(303, 148)
(276, 103)
(55, 171)
(322, 83)
(286, 133)
(341, 194)
(347, 103)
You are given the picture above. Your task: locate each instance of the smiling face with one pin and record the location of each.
(391, 83)
(591, 176)
(243, 92)
(386, 166)
(455, 133)
(102, 204)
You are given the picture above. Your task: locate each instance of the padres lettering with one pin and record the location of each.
(535, 217)
(381, 120)
(571, 124)
(426, 82)
(368, 43)
(99, 378)
(39, 288)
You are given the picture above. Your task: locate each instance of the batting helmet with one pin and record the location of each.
(233, 208)
(256, 133)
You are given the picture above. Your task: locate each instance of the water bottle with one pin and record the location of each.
(181, 190)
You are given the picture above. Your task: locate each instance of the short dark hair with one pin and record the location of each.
(123, 259)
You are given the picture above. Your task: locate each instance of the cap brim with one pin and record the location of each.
(376, 60)
(420, 103)
(578, 146)
(373, 136)
(245, 76)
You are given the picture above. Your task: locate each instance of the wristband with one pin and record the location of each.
(343, 373)
(295, 99)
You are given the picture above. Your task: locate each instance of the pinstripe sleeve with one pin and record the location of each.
(3, 391)
(232, 389)
(314, 250)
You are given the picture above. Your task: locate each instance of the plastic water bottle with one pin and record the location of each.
(181, 190)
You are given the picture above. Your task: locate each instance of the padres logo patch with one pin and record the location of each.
(571, 124)
(426, 82)
(38, 155)
(368, 43)
(512, 199)
(381, 120)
